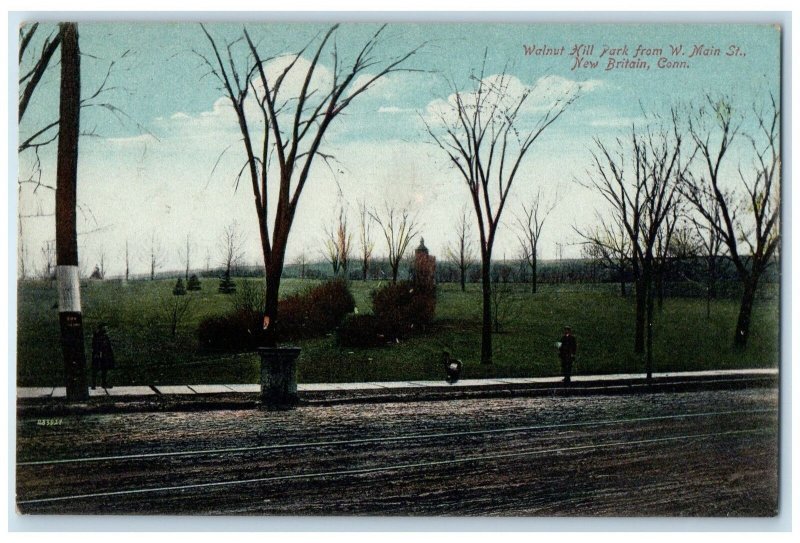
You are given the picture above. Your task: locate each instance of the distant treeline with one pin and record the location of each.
(682, 277)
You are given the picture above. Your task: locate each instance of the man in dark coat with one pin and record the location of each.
(567, 348)
(102, 356)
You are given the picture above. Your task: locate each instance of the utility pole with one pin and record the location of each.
(69, 294)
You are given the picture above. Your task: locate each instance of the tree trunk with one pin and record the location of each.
(534, 275)
(273, 280)
(486, 329)
(463, 279)
(649, 357)
(622, 287)
(395, 271)
(711, 288)
(641, 310)
(69, 299)
(660, 287)
(745, 312)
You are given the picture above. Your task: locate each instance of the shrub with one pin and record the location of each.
(362, 331)
(248, 300)
(316, 311)
(404, 307)
(231, 332)
(312, 313)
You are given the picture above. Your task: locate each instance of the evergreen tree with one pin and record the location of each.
(193, 283)
(226, 284)
(179, 289)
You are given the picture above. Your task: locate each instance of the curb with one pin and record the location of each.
(52, 407)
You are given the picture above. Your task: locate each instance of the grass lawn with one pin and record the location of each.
(602, 321)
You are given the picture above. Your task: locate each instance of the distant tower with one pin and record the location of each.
(422, 250)
(424, 266)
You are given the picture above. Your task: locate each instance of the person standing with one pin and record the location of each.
(102, 356)
(567, 348)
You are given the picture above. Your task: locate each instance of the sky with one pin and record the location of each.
(162, 162)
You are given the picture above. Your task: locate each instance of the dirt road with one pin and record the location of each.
(710, 453)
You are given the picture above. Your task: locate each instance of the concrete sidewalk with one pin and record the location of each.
(43, 401)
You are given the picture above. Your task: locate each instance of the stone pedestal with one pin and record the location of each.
(279, 377)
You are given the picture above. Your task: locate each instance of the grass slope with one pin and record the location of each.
(603, 323)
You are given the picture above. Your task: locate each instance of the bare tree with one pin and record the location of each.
(29, 80)
(365, 237)
(642, 198)
(186, 255)
(127, 261)
(48, 270)
(155, 256)
(609, 244)
(664, 255)
(486, 136)
(301, 261)
(37, 48)
(338, 243)
(399, 227)
(231, 247)
(462, 252)
(292, 124)
(174, 310)
(750, 229)
(23, 257)
(102, 264)
(530, 226)
(711, 245)
(503, 301)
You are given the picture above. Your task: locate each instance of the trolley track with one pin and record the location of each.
(408, 471)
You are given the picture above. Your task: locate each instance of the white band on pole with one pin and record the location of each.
(69, 289)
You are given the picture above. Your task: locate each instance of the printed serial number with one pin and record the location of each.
(49, 422)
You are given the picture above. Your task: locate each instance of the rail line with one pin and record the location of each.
(395, 467)
(385, 439)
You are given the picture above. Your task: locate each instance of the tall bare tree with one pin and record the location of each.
(155, 257)
(302, 262)
(102, 265)
(530, 226)
(664, 253)
(30, 79)
(485, 134)
(711, 244)
(462, 252)
(609, 244)
(292, 126)
(365, 237)
(750, 212)
(399, 228)
(127, 261)
(48, 270)
(231, 247)
(186, 255)
(639, 181)
(338, 243)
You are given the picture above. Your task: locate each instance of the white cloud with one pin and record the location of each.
(506, 91)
